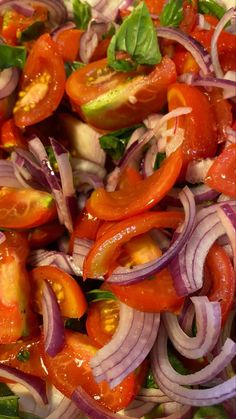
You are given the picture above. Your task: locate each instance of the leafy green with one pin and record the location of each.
(71, 67)
(150, 381)
(23, 355)
(114, 143)
(32, 32)
(9, 405)
(100, 295)
(176, 363)
(5, 390)
(159, 159)
(82, 13)
(12, 56)
(216, 411)
(137, 37)
(172, 14)
(211, 7)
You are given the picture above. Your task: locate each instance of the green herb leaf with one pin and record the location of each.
(100, 295)
(176, 363)
(159, 159)
(137, 37)
(23, 355)
(211, 7)
(71, 67)
(82, 13)
(32, 32)
(9, 406)
(12, 56)
(172, 14)
(5, 390)
(150, 381)
(216, 411)
(114, 143)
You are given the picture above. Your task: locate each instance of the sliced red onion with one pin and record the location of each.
(129, 346)
(90, 39)
(126, 4)
(231, 135)
(199, 53)
(154, 395)
(87, 166)
(214, 52)
(62, 28)
(170, 115)
(35, 385)
(173, 410)
(87, 181)
(227, 216)
(7, 175)
(149, 159)
(2, 237)
(126, 276)
(65, 410)
(202, 193)
(104, 9)
(53, 325)
(206, 374)
(201, 23)
(112, 179)
(138, 408)
(227, 85)
(208, 320)
(132, 154)
(197, 170)
(8, 81)
(42, 257)
(80, 250)
(24, 9)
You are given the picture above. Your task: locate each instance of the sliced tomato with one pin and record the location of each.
(222, 174)
(6, 106)
(200, 138)
(101, 50)
(111, 100)
(106, 249)
(25, 208)
(86, 227)
(222, 110)
(222, 278)
(42, 236)
(69, 294)
(189, 15)
(11, 136)
(25, 356)
(43, 83)
(68, 42)
(155, 6)
(70, 368)
(125, 203)
(14, 287)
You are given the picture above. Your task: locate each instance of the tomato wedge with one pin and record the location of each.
(86, 227)
(25, 208)
(43, 235)
(11, 136)
(131, 201)
(69, 295)
(111, 100)
(43, 83)
(70, 368)
(222, 174)
(69, 43)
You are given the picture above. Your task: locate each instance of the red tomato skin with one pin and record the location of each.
(44, 235)
(68, 43)
(11, 136)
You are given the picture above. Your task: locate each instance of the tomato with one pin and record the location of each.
(6, 106)
(107, 247)
(11, 136)
(25, 356)
(25, 208)
(131, 201)
(68, 42)
(86, 227)
(70, 368)
(101, 50)
(222, 278)
(43, 83)
(69, 295)
(14, 287)
(200, 139)
(111, 100)
(222, 174)
(155, 6)
(42, 236)
(222, 110)
(189, 16)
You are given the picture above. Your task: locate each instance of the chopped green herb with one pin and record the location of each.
(150, 381)
(176, 363)
(211, 7)
(159, 159)
(23, 355)
(100, 295)
(71, 67)
(32, 32)
(82, 13)
(5, 390)
(12, 56)
(51, 157)
(114, 143)
(9, 406)
(217, 411)
(137, 37)
(172, 14)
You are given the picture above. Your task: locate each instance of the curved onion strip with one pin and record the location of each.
(214, 53)
(132, 153)
(200, 55)
(208, 321)
(2, 237)
(53, 325)
(80, 250)
(187, 267)
(209, 372)
(9, 78)
(129, 346)
(32, 167)
(23, 9)
(7, 175)
(154, 395)
(201, 194)
(35, 385)
(227, 216)
(127, 276)
(229, 86)
(61, 28)
(182, 110)
(139, 408)
(65, 410)
(43, 257)
(57, 10)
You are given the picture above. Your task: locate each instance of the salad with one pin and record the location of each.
(117, 209)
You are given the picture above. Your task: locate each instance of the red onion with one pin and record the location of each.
(154, 395)
(125, 276)
(87, 181)
(228, 218)
(214, 53)
(35, 385)
(208, 319)
(201, 56)
(87, 166)
(62, 28)
(138, 408)
(132, 155)
(105, 10)
(2, 237)
(201, 194)
(42, 257)
(129, 346)
(170, 115)
(229, 86)
(208, 373)
(53, 325)
(90, 39)
(65, 410)
(23, 9)
(80, 251)
(7, 175)
(8, 81)
(202, 24)
(231, 136)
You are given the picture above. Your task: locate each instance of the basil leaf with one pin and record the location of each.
(137, 37)
(172, 14)
(32, 32)
(114, 143)
(82, 13)
(71, 67)
(159, 159)
(23, 355)
(9, 406)
(150, 381)
(176, 363)
(12, 56)
(216, 411)
(211, 7)
(100, 295)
